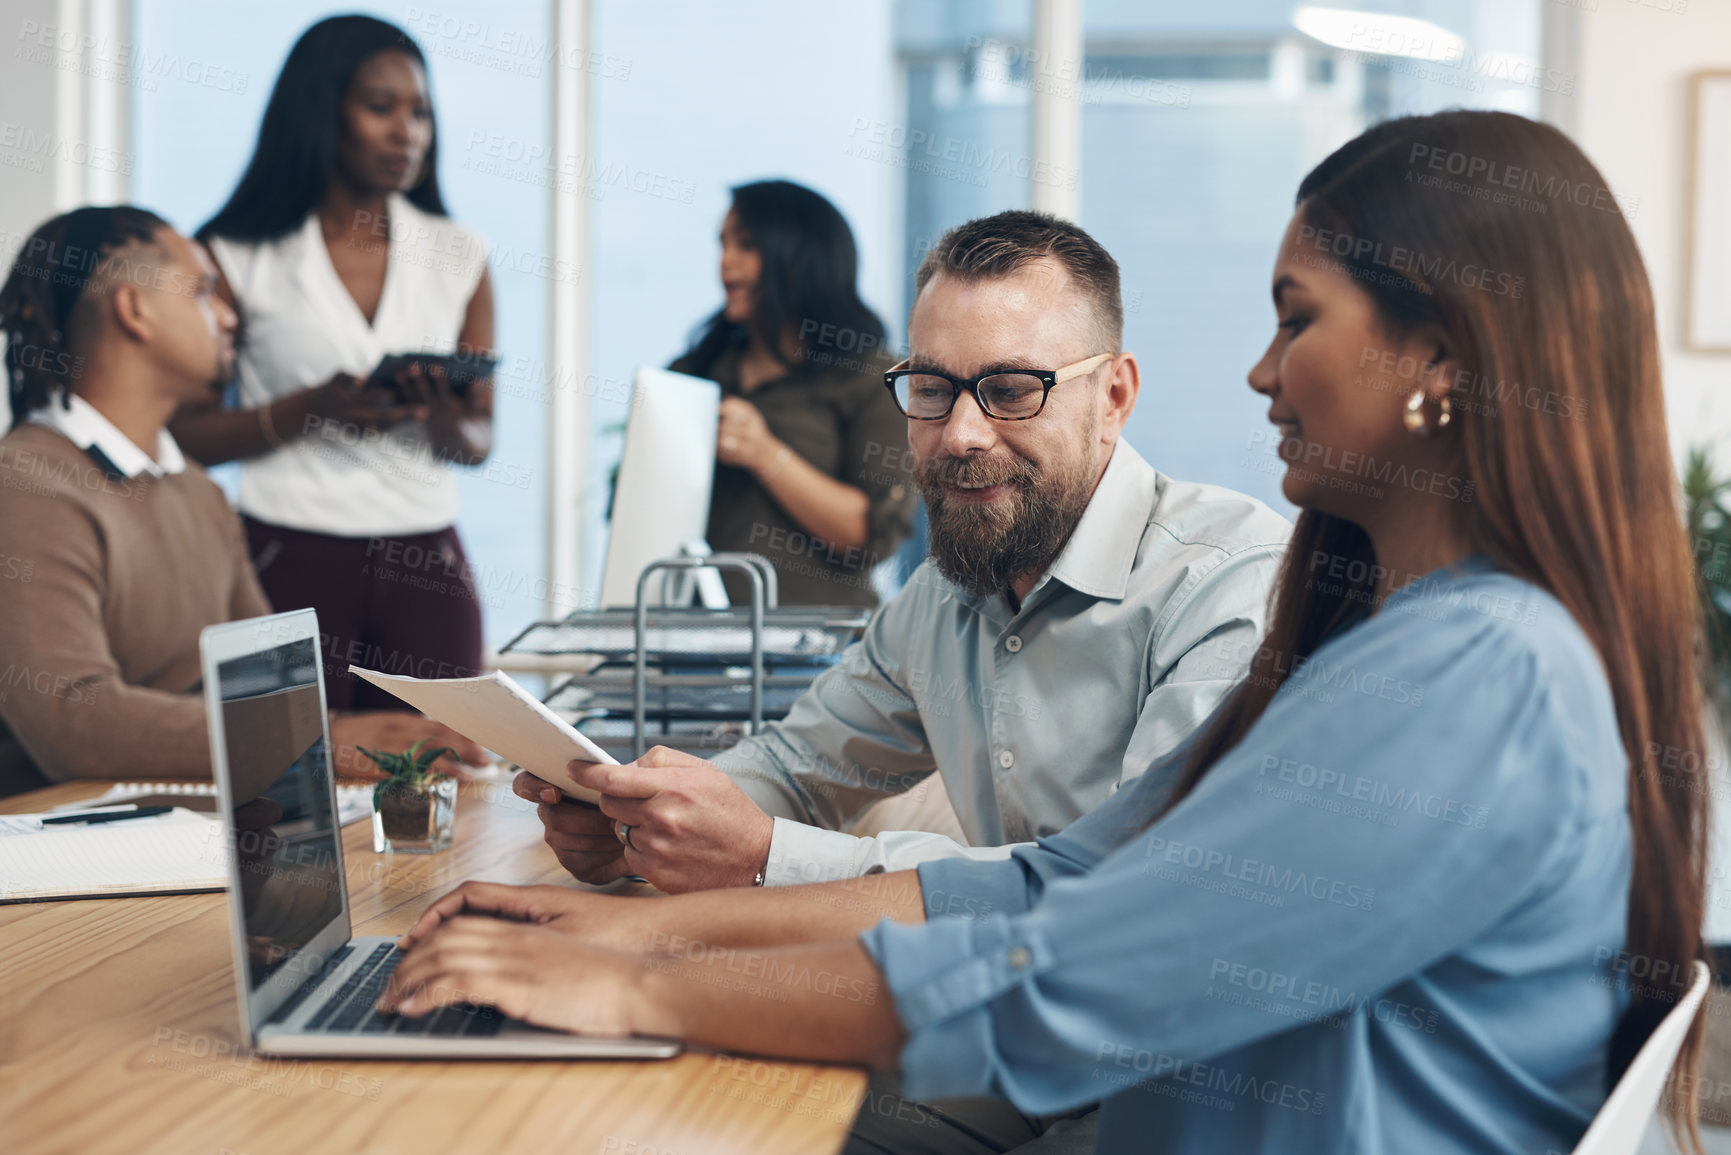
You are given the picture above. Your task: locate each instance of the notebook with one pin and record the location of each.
(175, 853)
(353, 802)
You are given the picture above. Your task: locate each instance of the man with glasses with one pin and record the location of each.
(1079, 616)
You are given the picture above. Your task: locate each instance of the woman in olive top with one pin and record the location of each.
(811, 458)
(335, 249)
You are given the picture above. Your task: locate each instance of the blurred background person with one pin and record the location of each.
(336, 249)
(811, 456)
(111, 321)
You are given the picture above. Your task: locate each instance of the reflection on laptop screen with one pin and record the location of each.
(285, 827)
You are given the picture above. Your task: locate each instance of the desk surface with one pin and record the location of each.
(119, 1032)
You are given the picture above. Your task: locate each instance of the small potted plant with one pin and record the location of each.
(415, 806)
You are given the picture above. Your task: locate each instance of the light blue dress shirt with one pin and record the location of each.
(1032, 716)
(1386, 922)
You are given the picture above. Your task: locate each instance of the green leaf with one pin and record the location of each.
(408, 770)
(431, 756)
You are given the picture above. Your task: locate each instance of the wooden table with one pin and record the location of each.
(119, 1033)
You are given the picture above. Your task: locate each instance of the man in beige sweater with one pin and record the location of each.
(115, 551)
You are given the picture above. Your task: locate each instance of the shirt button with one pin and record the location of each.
(1019, 958)
(1013, 643)
(1006, 759)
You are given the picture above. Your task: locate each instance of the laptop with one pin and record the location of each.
(306, 984)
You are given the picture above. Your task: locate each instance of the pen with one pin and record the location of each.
(109, 816)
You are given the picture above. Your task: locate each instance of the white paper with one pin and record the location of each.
(502, 716)
(32, 823)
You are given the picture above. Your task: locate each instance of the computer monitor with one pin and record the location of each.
(661, 502)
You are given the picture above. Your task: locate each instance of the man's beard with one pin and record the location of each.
(985, 548)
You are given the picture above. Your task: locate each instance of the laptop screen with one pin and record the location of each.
(286, 855)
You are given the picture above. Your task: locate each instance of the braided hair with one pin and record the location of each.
(45, 284)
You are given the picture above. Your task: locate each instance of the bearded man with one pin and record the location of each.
(1079, 616)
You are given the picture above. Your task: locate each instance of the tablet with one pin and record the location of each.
(461, 369)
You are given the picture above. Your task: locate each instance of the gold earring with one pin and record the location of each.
(1414, 419)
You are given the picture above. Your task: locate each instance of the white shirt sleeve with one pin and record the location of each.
(799, 853)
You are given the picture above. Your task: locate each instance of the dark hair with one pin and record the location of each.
(43, 288)
(1583, 508)
(998, 245)
(296, 154)
(806, 291)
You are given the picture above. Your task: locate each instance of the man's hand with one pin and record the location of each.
(691, 826)
(581, 836)
(393, 731)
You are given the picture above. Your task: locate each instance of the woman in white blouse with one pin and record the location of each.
(335, 250)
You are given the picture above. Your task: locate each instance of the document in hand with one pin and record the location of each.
(502, 716)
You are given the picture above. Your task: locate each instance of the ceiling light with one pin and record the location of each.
(1379, 33)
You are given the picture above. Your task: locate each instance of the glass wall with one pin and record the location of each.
(912, 116)
(1198, 122)
(712, 96)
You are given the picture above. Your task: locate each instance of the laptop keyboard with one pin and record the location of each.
(291, 1004)
(350, 1009)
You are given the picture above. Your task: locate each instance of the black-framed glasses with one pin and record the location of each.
(1007, 395)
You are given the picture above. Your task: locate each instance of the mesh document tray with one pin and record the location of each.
(799, 634)
(682, 695)
(703, 739)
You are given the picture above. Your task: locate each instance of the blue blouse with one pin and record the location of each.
(1390, 920)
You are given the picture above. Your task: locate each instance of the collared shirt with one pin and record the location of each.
(1389, 920)
(83, 424)
(1033, 716)
(839, 418)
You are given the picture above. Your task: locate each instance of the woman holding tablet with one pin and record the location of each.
(1387, 898)
(336, 251)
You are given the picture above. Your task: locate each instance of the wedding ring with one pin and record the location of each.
(623, 832)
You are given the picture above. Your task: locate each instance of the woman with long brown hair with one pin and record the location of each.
(1391, 898)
